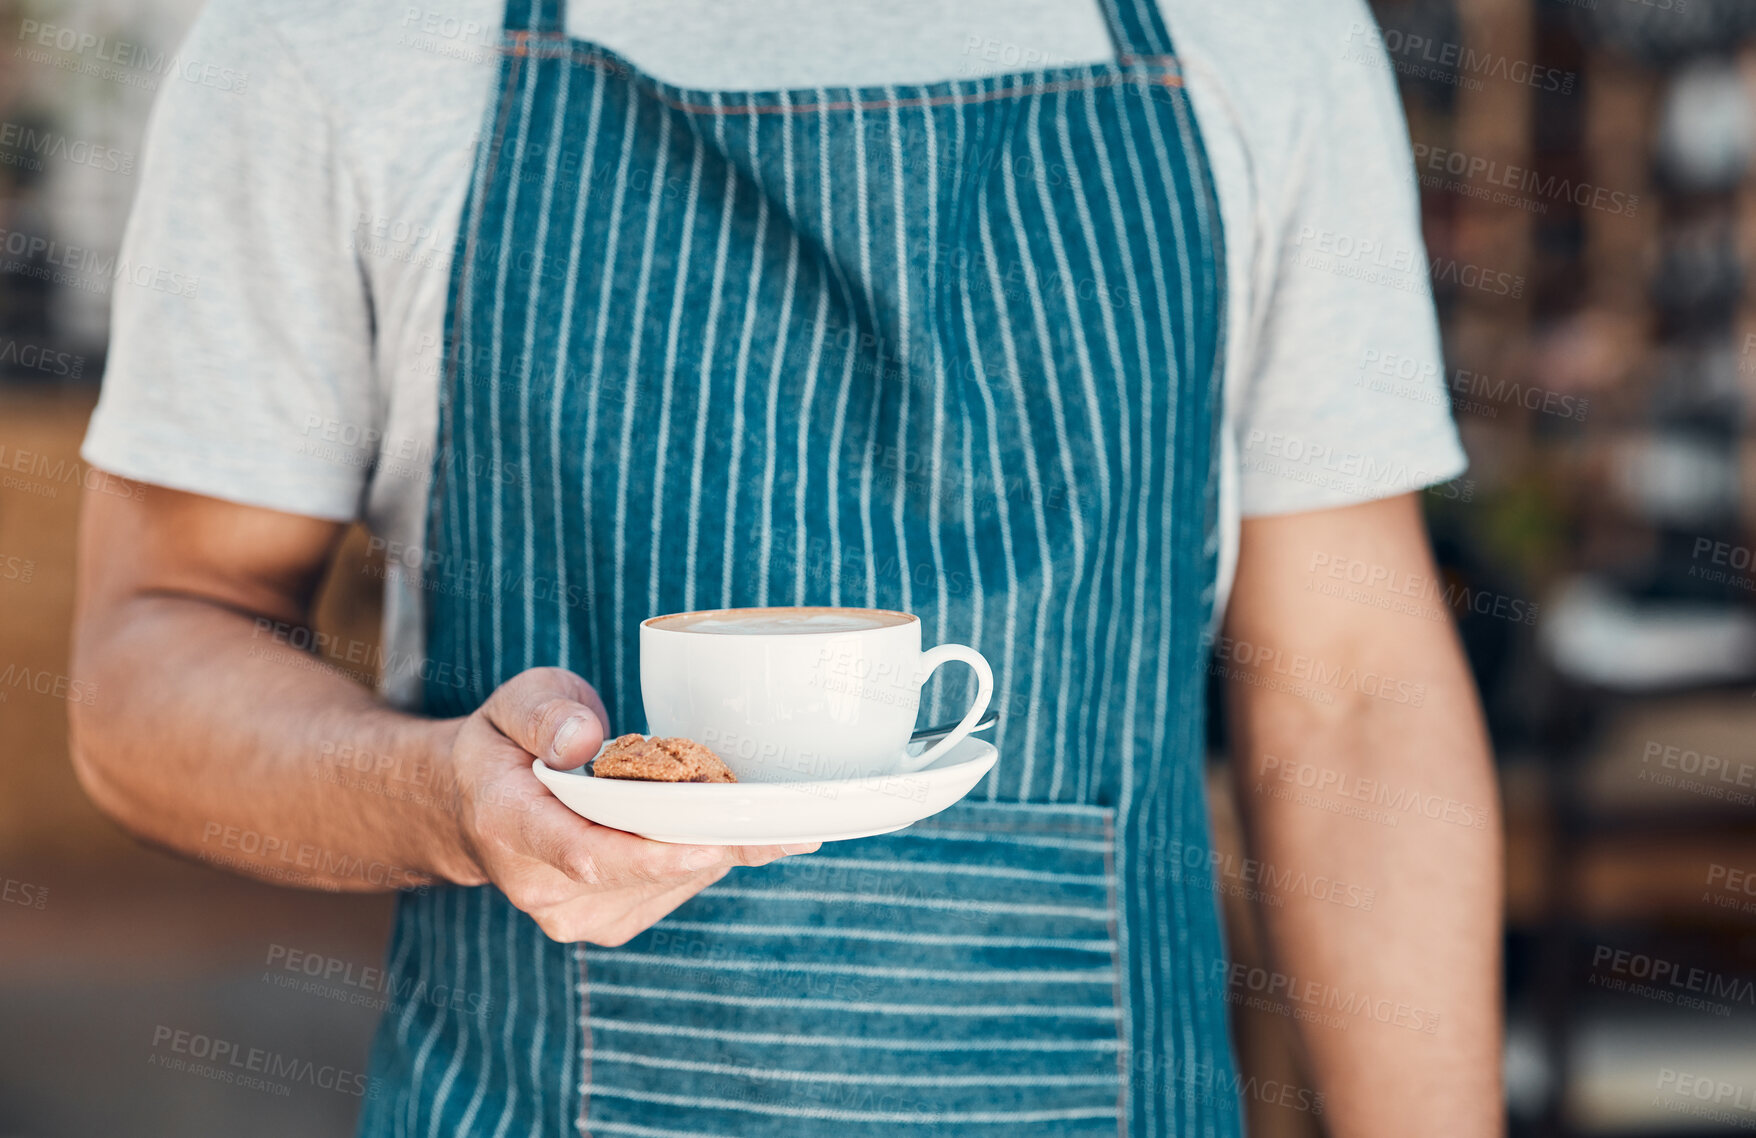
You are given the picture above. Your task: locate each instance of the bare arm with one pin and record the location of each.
(1362, 766)
(214, 736)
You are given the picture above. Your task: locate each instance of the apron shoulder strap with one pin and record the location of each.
(1138, 27)
(539, 17)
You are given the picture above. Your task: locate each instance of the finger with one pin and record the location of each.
(626, 905)
(552, 713)
(729, 856)
(599, 857)
(655, 907)
(612, 919)
(762, 855)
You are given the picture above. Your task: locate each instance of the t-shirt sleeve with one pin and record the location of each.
(240, 361)
(1344, 394)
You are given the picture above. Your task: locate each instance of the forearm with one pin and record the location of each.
(229, 745)
(1378, 830)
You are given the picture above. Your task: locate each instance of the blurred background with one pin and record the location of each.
(1590, 211)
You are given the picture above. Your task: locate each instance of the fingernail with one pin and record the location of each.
(565, 733)
(701, 858)
(800, 847)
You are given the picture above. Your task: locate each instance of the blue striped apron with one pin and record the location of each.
(952, 349)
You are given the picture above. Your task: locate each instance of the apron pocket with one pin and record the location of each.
(958, 977)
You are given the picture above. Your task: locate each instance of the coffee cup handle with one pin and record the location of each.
(930, 661)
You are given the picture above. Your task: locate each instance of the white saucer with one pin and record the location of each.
(772, 813)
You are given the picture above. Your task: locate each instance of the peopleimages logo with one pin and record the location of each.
(1416, 378)
(86, 53)
(42, 681)
(23, 893)
(331, 648)
(293, 860)
(229, 1061)
(34, 357)
(1392, 588)
(27, 146)
(1414, 55)
(1669, 978)
(381, 990)
(1705, 1089)
(1253, 879)
(1242, 659)
(1473, 171)
(1298, 459)
(90, 269)
(1398, 800)
(1741, 773)
(1274, 985)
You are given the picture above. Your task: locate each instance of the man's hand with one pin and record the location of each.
(220, 740)
(578, 880)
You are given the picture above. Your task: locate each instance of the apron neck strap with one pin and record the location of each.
(539, 17)
(1138, 27)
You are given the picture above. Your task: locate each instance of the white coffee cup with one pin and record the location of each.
(798, 694)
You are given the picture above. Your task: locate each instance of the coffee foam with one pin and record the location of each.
(780, 622)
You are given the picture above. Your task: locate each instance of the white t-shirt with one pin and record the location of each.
(308, 220)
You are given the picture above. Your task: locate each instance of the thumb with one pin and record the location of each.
(552, 714)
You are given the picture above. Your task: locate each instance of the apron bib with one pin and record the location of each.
(949, 348)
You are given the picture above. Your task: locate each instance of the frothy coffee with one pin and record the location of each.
(780, 621)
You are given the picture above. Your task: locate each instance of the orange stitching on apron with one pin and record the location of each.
(521, 46)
